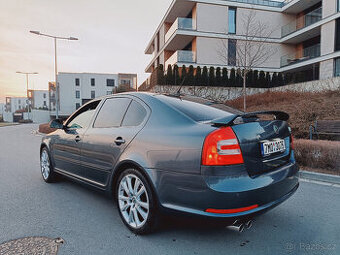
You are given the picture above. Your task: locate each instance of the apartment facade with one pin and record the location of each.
(75, 89)
(13, 104)
(39, 99)
(305, 34)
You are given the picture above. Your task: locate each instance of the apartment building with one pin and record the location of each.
(75, 89)
(13, 104)
(39, 99)
(305, 34)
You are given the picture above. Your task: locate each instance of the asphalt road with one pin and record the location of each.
(308, 223)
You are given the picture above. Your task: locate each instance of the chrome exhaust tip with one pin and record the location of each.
(237, 227)
(249, 224)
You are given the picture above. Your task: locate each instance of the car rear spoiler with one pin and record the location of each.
(228, 121)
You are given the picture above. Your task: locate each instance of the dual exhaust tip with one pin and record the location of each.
(240, 226)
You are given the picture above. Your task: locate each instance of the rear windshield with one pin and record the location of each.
(199, 112)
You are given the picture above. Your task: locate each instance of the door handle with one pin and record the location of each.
(119, 141)
(77, 139)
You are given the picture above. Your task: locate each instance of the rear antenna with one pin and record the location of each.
(178, 93)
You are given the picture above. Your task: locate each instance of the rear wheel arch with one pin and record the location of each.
(126, 165)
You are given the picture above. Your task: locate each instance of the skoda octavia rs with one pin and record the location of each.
(159, 153)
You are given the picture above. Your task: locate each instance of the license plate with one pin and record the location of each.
(277, 145)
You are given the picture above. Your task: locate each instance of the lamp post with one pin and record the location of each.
(28, 102)
(55, 64)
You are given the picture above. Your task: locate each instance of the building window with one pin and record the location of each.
(108, 92)
(110, 82)
(93, 94)
(232, 20)
(77, 82)
(45, 104)
(93, 82)
(77, 94)
(337, 34)
(338, 7)
(337, 67)
(232, 52)
(44, 95)
(77, 106)
(125, 82)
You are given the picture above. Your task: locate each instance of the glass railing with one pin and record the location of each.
(260, 2)
(302, 22)
(184, 56)
(180, 23)
(308, 53)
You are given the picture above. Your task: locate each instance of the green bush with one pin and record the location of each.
(169, 76)
(225, 78)
(232, 78)
(177, 79)
(212, 76)
(205, 77)
(218, 78)
(198, 76)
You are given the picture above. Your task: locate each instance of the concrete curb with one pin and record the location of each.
(334, 179)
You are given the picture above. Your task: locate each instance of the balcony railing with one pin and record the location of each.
(261, 2)
(308, 53)
(180, 23)
(302, 22)
(183, 56)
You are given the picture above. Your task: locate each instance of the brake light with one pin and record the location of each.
(221, 148)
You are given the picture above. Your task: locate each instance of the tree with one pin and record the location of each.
(176, 75)
(218, 77)
(232, 78)
(225, 80)
(205, 78)
(160, 75)
(190, 76)
(262, 80)
(198, 76)
(253, 50)
(169, 76)
(211, 76)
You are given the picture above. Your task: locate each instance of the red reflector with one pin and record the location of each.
(221, 148)
(237, 210)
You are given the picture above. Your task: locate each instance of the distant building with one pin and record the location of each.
(14, 104)
(2, 110)
(75, 89)
(39, 99)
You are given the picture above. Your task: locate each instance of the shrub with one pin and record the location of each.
(239, 79)
(198, 76)
(160, 75)
(218, 79)
(280, 80)
(262, 80)
(190, 76)
(212, 76)
(184, 77)
(176, 79)
(232, 78)
(169, 76)
(268, 80)
(250, 79)
(274, 82)
(225, 79)
(319, 154)
(205, 78)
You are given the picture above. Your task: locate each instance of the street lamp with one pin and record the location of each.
(55, 63)
(27, 74)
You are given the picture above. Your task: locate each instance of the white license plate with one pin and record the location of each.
(277, 145)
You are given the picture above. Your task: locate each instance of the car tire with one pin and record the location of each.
(46, 166)
(136, 202)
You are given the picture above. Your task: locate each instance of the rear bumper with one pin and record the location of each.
(224, 188)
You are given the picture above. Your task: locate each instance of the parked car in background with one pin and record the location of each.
(162, 153)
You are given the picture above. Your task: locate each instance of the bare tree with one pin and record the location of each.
(252, 49)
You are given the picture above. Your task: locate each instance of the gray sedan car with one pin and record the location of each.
(162, 153)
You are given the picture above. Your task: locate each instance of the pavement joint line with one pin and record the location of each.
(329, 178)
(320, 183)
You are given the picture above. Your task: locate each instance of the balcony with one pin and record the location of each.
(261, 2)
(180, 23)
(181, 56)
(302, 22)
(308, 53)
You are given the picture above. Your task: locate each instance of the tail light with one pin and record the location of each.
(221, 148)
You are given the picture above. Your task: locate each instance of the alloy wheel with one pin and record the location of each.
(45, 164)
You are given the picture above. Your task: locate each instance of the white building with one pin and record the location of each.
(306, 34)
(75, 89)
(2, 110)
(14, 104)
(39, 99)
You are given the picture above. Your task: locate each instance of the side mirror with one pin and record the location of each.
(57, 123)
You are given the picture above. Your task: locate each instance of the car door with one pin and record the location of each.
(117, 123)
(66, 147)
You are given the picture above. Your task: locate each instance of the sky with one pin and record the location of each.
(113, 35)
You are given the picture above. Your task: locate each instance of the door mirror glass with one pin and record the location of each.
(57, 123)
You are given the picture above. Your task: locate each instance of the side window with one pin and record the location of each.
(112, 112)
(83, 118)
(134, 115)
